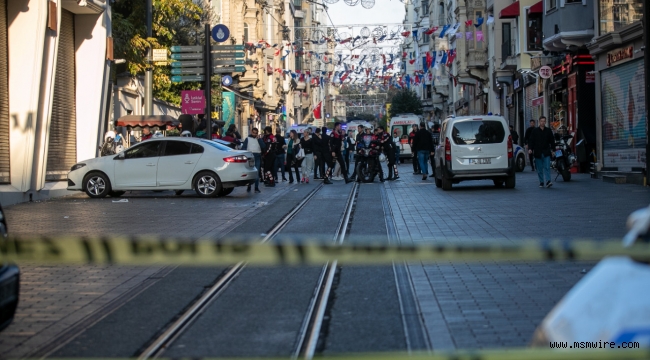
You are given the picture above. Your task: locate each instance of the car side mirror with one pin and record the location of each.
(119, 156)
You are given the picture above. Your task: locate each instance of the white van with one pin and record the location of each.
(402, 124)
(474, 148)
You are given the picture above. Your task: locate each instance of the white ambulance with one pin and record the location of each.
(402, 124)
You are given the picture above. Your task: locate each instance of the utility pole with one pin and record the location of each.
(646, 59)
(148, 77)
(208, 82)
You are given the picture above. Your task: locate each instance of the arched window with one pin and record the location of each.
(245, 33)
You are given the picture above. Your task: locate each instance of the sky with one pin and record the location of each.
(384, 12)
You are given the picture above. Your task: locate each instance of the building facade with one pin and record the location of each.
(54, 92)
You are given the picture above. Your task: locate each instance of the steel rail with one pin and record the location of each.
(313, 322)
(158, 346)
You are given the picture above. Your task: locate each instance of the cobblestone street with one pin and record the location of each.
(478, 305)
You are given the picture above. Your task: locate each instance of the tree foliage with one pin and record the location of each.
(174, 22)
(405, 102)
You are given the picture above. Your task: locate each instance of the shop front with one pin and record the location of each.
(621, 107)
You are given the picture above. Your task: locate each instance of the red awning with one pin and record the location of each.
(537, 8)
(146, 120)
(510, 12)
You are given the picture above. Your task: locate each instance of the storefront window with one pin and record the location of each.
(615, 15)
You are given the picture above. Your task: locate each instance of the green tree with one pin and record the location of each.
(404, 102)
(174, 22)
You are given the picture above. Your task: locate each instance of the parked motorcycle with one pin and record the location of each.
(368, 164)
(564, 158)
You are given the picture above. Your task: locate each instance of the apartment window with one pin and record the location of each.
(551, 4)
(475, 43)
(615, 15)
(441, 14)
(297, 31)
(425, 8)
(297, 4)
(427, 92)
(534, 33)
(506, 41)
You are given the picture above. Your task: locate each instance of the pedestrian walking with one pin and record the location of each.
(424, 144)
(398, 146)
(268, 156)
(541, 146)
(256, 146)
(307, 144)
(414, 151)
(335, 145)
(435, 138)
(280, 159)
(319, 165)
(529, 130)
(515, 136)
(292, 149)
(388, 147)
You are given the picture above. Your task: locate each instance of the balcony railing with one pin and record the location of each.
(476, 59)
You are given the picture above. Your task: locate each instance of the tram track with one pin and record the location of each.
(310, 331)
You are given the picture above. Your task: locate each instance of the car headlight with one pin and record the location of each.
(77, 166)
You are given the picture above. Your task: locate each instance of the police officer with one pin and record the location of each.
(335, 144)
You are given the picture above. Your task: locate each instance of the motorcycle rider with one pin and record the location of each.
(369, 143)
(388, 147)
(269, 156)
(335, 144)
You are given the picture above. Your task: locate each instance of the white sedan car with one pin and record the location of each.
(210, 168)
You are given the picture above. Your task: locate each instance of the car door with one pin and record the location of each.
(479, 144)
(138, 167)
(178, 161)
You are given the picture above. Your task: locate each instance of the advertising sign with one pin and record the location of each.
(228, 107)
(545, 72)
(192, 102)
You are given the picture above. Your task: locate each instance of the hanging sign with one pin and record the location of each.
(192, 102)
(220, 33)
(545, 72)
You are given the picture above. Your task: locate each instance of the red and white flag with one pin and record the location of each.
(318, 111)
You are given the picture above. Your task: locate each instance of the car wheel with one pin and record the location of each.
(96, 185)
(179, 192)
(446, 184)
(520, 163)
(226, 192)
(117, 193)
(511, 181)
(207, 184)
(498, 183)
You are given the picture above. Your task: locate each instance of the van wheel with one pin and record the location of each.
(511, 182)
(446, 184)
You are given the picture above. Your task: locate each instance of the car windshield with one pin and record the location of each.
(478, 132)
(216, 145)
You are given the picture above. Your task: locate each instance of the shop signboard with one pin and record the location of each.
(590, 77)
(192, 102)
(620, 55)
(545, 72)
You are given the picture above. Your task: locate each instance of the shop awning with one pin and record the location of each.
(537, 8)
(510, 12)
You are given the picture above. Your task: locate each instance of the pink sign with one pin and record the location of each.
(192, 102)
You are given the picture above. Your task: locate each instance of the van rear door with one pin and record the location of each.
(479, 144)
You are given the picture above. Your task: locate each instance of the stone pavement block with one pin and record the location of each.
(54, 299)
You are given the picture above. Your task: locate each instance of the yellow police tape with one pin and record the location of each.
(507, 354)
(146, 251)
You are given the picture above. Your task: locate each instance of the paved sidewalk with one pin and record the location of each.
(493, 305)
(54, 300)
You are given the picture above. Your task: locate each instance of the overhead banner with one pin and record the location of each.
(228, 107)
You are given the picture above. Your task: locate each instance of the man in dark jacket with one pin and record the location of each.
(414, 151)
(541, 146)
(319, 164)
(335, 145)
(280, 154)
(515, 136)
(424, 144)
(527, 140)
